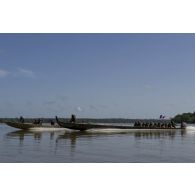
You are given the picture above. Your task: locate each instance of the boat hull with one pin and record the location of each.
(26, 126)
(87, 126)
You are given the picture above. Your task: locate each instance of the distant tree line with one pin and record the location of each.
(185, 117)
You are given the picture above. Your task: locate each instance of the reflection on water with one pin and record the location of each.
(73, 136)
(157, 135)
(96, 146)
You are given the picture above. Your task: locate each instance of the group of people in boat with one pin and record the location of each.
(36, 121)
(170, 124)
(138, 124)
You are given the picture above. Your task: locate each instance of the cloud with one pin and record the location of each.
(26, 73)
(3, 73)
(79, 109)
(18, 72)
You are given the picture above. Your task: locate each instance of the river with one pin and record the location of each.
(98, 147)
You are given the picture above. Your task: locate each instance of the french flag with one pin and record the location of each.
(162, 117)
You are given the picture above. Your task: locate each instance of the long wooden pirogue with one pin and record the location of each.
(86, 126)
(26, 126)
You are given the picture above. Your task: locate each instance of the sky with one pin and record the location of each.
(97, 75)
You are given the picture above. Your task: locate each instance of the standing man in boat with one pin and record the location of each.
(73, 119)
(21, 119)
(52, 122)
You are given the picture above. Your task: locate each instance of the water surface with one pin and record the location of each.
(39, 146)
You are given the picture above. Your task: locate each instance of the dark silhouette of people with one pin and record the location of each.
(147, 124)
(73, 119)
(162, 125)
(173, 124)
(21, 119)
(170, 125)
(37, 122)
(166, 125)
(52, 122)
(151, 125)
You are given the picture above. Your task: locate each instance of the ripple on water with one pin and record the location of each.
(96, 146)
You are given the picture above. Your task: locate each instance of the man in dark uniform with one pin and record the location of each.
(73, 119)
(52, 122)
(21, 119)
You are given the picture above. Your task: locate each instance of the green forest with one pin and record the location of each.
(185, 117)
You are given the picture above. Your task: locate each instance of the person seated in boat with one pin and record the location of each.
(158, 125)
(39, 121)
(162, 125)
(21, 119)
(147, 124)
(139, 124)
(52, 122)
(173, 124)
(73, 119)
(166, 125)
(151, 125)
(169, 125)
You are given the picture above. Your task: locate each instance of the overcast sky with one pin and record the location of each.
(97, 75)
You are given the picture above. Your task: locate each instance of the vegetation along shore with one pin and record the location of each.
(186, 117)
